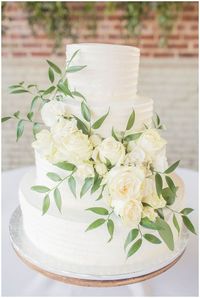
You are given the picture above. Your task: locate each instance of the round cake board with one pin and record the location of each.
(32, 257)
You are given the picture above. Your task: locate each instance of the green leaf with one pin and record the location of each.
(134, 248)
(14, 86)
(73, 56)
(16, 114)
(78, 94)
(132, 235)
(82, 126)
(49, 90)
(75, 68)
(160, 212)
(98, 210)
(96, 184)
(86, 186)
(151, 238)
(85, 112)
(4, 119)
(157, 119)
(186, 211)
(53, 176)
(20, 129)
(72, 185)
(132, 137)
(175, 222)
(36, 129)
(170, 183)
(54, 67)
(57, 198)
(165, 233)
(131, 121)
(188, 224)
(147, 223)
(172, 167)
(46, 204)
(31, 85)
(30, 116)
(40, 188)
(63, 87)
(51, 75)
(33, 103)
(159, 184)
(114, 135)
(110, 227)
(168, 195)
(96, 224)
(100, 121)
(19, 91)
(66, 166)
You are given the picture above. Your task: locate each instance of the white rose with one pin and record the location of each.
(125, 182)
(53, 110)
(85, 170)
(150, 141)
(159, 161)
(75, 147)
(154, 201)
(44, 146)
(112, 150)
(101, 168)
(149, 212)
(132, 213)
(95, 140)
(63, 127)
(135, 156)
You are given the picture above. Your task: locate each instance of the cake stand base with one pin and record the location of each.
(45, 265)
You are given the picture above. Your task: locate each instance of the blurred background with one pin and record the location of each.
(165, 32)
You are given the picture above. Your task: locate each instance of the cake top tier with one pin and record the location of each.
(111, 74)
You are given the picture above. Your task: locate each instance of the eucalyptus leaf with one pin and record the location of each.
(40, 188)
(86, 186)
(170, 183)
(73, 56)
(132, 235)
(54, 67)
(172, 167)
(97, 223)
(100, 121)
(132, 137)
(152, 238)
(63, 87)
(36, 129)
(66, 166)
(57, 198)
(34, 101)
(134, 248)
(98, 210)
(30, 116)
(175, 222)
(159, 184)
(16, 114)
(114, 135)
(46, 204)
(4, 119)
(78, 94)
(188, 224)
(19, 91)
(160, 213)
(75, 68)
(168, 195)
(186, 211)
(147, 223)
(131, 121)
(53, 176)
(72, 185)
(96, 184)
(110, 227)
(20, 129)
(82, 126)
(49, 90)
(85, 112)
(51, 75)
(14, 86)
(165, 233)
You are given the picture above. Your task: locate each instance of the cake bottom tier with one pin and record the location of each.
(64, 237)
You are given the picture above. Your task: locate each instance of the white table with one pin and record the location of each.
(19, 280)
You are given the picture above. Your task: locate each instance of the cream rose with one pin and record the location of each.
(149, 212)
(101, 168)
(159, 161)
(63, 127)
(54, 110)
(76, 147)
(131, 213)
(154, 201)
(95, 140)
(150, 141)
(125, 182)
(110, 149)
(85, 170)
(135, 156)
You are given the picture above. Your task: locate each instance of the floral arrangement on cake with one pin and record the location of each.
(128, 170)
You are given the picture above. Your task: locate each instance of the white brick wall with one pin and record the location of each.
(172, 83)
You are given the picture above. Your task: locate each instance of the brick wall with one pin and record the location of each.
(168, 75)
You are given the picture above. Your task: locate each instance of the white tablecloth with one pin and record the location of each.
(19, 280)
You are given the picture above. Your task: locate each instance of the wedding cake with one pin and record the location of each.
(102, 194)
